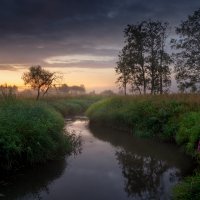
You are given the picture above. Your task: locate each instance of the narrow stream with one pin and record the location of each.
(112, 165)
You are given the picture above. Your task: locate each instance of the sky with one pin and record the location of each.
(79, 38)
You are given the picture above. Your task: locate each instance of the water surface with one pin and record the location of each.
(111, 165)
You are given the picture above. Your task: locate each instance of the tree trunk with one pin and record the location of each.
(125, 89)
(38, 94)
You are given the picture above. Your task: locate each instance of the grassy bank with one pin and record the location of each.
(174, 118)
(32, 131)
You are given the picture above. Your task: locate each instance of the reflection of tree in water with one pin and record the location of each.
(143, 175)
(30, 182)
(150, 168)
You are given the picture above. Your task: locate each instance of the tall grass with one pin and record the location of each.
(172, 118)
(30, 132)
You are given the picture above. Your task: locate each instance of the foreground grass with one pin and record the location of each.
(30, 132)
(174, 118)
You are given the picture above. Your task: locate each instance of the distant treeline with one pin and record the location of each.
(64, 88)
(7, 91)
(145, 62)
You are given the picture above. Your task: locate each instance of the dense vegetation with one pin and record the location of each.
(32, 131)
(174, 118)
(29, 131)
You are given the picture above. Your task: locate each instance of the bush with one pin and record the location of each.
(29, 132)
(188, 134)
(146, 117)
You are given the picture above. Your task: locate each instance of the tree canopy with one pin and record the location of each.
(143, 62)
(39, 79)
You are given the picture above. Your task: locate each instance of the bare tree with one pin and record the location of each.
(40, 79)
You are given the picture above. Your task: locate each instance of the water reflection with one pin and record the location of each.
(149, 168)
(144, 176)
(112, 165)
(30, 182)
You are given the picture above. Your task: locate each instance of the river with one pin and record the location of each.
(111, 165)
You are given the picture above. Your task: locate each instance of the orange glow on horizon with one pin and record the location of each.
(92, 78)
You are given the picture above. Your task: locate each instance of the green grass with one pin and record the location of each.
(145, 115)
(169, 118)
(188, 133)
(30, 132)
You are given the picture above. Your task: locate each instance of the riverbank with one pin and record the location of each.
(33, 131)
(115, 164)
(172, 118)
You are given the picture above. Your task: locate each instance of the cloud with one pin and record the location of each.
(35, 31)
(12, 67)
(77, 59)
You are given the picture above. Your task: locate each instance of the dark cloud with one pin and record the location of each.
(33, 30)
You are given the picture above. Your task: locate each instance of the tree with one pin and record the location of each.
(143, 62)
(157, 59)
(64, 88)
(135, 53)
(187, 46)
(40, 79)
(122, 69)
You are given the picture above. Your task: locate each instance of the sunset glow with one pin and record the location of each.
(80, 40)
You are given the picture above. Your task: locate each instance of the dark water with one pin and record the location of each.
(111, 166)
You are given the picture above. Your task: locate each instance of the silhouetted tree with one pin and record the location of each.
(123, 70)
(40, 79)
(157, 59)
(135, 37)
(143, 62)
(187, 66)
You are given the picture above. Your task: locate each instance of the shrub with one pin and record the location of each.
(188, 134)
(29, 132)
